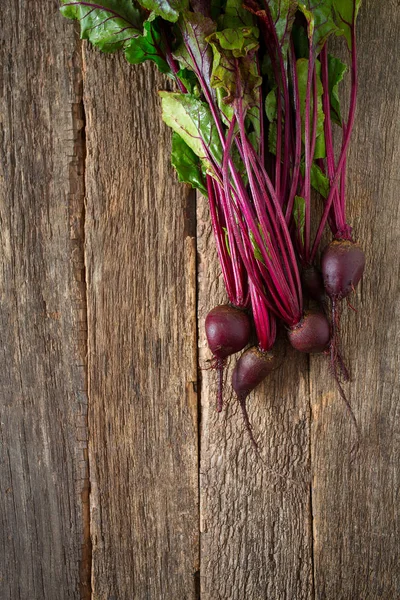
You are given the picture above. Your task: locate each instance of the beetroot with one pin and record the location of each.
(311, 334)
(228, 331)
(250, 370)
(342, 264)
(313, 283)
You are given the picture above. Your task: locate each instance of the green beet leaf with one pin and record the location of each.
(239, 41)
(167, 9)
(336, 71)
(227, 110)
(272, 137)
(345, 14)
(320, 148)
(217, 8)
(235, 66)
(256, 248)
(278, 17)
(299, 215)
(147, 47)
(271, 105)
(266, 244)
(190, 81)
(110, 27)
(253, 126)
(187, 164)
(300, 41)
(302, 66)
(194, 52)
(319, 180)
(192, 120)
(283, 13)
(236, 16)
(226, 235)
(320, 22)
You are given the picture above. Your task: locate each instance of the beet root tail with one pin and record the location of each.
(249, 429)
(220, 394)
(339, 370)
(337, 364)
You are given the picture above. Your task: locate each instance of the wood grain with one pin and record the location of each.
(255, 524)
(141, 264)
(43, 403)
(355, 506)
(305, 524)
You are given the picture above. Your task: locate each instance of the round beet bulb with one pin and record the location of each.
(311, 334)
(250, 370)
(342, 264)
(228, 330)
(313, 283)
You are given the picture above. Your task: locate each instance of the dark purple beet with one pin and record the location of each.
(311, 334)
(342, 265)
(250, 370)
(313, 283)
(228, 330)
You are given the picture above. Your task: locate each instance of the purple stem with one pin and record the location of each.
(170, 60)
(278, 145)
(258, 200)
(297, 152)
(220, 243)
(261, 111)
(279, 283)
(345, 145)
(330, 154)
(343, 192)
(281, 77)
(245, 246)
(283, 224)
(263, 215)
(307, 157)
(234, 259)
(315, 118)
(264, 322)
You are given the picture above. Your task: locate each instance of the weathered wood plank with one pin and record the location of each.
(255, 525)
(140, 257)
(356, 507)
(43, 468)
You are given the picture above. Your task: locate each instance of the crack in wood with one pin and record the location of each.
(77, 223)
(311, 517)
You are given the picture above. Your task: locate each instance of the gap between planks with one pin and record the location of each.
(79, 127)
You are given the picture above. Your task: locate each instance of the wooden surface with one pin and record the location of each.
(118, 481)
(356, 506)
(43, 464)
(140, 259)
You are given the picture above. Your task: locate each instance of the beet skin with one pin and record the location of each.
(313, 283)
(228, 330)
(250, 370)
(311, 334)
(342, 265)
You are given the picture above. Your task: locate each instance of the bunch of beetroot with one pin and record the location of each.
(257, 128)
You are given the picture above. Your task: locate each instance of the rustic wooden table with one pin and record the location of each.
(118, 480)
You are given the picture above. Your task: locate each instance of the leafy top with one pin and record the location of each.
(107, 24)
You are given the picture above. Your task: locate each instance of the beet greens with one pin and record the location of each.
(255, 103)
